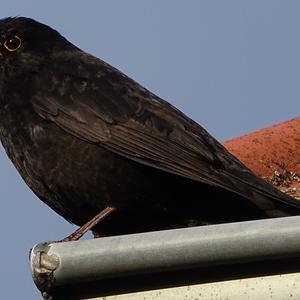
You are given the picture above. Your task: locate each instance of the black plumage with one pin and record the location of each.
(85, 137)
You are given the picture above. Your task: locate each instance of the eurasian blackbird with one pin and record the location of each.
(86, 138)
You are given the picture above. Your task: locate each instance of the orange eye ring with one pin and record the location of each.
(13, 43)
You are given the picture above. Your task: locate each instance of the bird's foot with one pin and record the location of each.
(97, 234)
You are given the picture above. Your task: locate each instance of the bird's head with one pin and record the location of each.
(25, 43)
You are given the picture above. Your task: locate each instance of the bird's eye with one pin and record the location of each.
(13, 43)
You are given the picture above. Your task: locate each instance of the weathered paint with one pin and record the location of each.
(278, 287)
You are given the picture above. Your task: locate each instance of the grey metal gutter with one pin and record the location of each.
(111, 265)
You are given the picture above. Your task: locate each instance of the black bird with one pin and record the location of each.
(86, 138)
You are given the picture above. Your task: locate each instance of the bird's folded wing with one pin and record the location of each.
(118, 114)
(134, 139)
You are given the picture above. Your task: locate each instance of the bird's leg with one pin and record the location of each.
(90, 224)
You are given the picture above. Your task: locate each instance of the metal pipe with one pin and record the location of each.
(57, 264)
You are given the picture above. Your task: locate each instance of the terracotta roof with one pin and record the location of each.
(273, 153)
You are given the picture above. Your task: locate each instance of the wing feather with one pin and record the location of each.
(107, 108)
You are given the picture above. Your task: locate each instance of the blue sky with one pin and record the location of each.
(233, 66)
